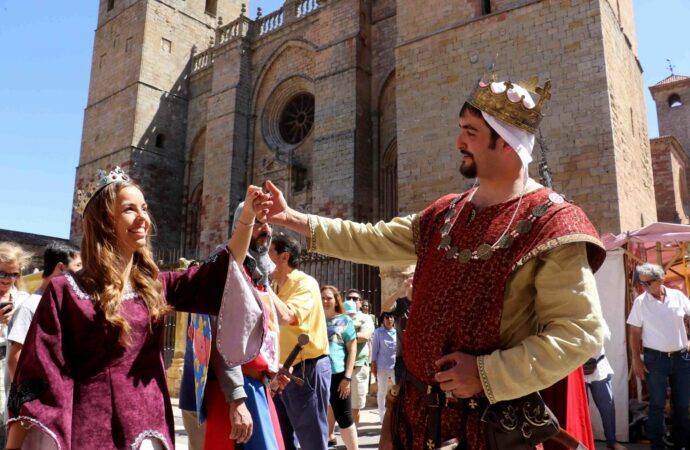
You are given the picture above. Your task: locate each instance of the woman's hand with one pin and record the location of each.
(344, 388)
(6, 314)
(248, 213)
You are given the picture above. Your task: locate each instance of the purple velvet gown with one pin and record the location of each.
(80, 388)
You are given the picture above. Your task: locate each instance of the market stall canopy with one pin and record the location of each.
(651, 234)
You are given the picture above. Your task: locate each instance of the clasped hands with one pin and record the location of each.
(458, 375)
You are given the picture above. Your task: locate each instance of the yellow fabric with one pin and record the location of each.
(302, 296)
(551, 319)
(30, 283)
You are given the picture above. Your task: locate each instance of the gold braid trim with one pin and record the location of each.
(311, 239)
(485, 380)
(556, 242)
(416, 231)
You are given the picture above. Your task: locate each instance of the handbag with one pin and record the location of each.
(519, 424)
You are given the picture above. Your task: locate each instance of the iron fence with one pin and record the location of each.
(345, 275)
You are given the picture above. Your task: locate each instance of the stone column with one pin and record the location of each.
(391, 279)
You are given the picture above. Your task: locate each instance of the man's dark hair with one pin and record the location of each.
(55, 253)
(287, 244)
(354, 291)
(476, 112)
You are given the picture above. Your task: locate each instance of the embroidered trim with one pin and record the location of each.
(556, 242)
(485, 380)
(27, 391)
(129, 294)
(311, 239)
(44, 428)
(416, 231)
(150, 434)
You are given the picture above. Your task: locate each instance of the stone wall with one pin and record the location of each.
(670, 180)
(138, 100)
(633, 165)
(559, 40)
(385, 75)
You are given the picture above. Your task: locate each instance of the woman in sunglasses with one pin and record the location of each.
(13, 259)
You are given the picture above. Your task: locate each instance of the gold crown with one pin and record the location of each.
(500, 106)
(103, 179)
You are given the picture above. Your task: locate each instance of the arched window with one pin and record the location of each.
(297, 118)
(160, 140)
(674, 101)
(111, 4)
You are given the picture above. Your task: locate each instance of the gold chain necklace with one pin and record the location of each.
(485, 251)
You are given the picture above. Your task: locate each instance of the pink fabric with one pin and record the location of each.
(241, 320)
(655, 232)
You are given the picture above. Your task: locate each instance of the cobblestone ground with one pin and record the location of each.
(369, 430)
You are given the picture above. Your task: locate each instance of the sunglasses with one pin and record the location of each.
(4, 275)
(648, 283)
(353, 298)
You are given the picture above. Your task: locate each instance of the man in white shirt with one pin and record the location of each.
(657, 329)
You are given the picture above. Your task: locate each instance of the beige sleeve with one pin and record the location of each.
(375, 244)
(567, 309)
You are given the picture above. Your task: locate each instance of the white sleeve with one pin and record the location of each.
(21, 323)
(634, 318)
(686, 304)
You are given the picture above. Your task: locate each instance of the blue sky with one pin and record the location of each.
(46, 57)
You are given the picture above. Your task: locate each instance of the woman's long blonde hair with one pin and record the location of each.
(99, 254)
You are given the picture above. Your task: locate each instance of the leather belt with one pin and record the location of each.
(436, 400)
(667, 354)
(307, 361)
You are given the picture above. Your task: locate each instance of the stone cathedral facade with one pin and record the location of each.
(351, 106)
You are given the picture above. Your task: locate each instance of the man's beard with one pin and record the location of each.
(468, 170)
(254, 244)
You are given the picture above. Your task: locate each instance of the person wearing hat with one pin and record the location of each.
(505, 301)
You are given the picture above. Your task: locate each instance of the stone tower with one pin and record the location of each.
(595, 123)
(138, 98)
(672, 98)
(670, 150)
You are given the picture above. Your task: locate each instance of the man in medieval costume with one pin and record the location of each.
(504, 298)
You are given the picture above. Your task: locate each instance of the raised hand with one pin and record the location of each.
(274, 204)
(271, 207)
(251, 197)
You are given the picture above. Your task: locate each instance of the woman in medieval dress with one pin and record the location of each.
(92, 373)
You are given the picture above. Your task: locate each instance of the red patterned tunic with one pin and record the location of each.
(463, 312)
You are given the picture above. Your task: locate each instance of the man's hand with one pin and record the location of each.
(639, 368)
(241, 422)
(272, 207)
(279, 381)
(373, 368)
(459, 375)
